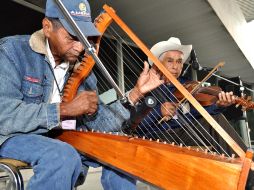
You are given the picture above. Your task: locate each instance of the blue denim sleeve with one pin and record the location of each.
(17, 116)
(109, 118)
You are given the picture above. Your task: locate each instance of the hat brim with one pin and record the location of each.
(162, 47)
(87, 28)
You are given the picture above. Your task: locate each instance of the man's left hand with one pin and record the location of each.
(225, 99)
(148, 80)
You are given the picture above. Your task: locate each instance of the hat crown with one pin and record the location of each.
(78, 9)
(80, 12)
(175, 40)
(172, 44)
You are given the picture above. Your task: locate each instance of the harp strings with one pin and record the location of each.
(190, 125)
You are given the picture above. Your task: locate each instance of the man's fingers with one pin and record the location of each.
(169, 109)
(226, 99)
(223, 96)
(146, 68)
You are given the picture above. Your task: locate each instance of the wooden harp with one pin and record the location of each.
(165, 165)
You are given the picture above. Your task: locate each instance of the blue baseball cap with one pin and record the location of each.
(80, 12)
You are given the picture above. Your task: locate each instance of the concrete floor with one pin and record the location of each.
(92, 181)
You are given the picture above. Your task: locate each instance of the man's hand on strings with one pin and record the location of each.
(84, 103)
(148, 80)
(168, 110)
(225, 99)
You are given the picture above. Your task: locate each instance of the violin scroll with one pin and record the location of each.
(246, 103)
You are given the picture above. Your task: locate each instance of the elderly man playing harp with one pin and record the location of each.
(172, 122)
(33, 71)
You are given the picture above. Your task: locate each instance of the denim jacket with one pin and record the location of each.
(26, 83)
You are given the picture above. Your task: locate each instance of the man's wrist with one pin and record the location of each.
(134, 96)
(64, 114)
(130, 101)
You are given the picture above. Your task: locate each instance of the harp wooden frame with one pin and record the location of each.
(166, 166)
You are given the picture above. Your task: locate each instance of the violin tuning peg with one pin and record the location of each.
(237, 105)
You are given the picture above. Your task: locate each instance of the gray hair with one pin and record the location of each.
(161, 57)
(55, 22)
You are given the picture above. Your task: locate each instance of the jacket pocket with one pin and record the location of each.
(32, 91)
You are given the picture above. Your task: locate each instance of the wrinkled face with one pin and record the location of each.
(64, 47)
(173, 61)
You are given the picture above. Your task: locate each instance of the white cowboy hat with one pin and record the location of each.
(172, 44)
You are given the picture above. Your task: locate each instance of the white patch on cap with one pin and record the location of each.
(81, 12)
(82, 7)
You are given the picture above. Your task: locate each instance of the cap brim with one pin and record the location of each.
(87, 28)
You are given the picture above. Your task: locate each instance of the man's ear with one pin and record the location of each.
(47, 27)
(155, 67)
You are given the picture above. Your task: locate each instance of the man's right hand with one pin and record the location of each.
(85, 102)
(168, 110)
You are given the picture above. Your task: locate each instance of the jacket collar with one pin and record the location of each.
(37, 42)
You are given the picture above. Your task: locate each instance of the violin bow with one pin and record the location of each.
(219, 65)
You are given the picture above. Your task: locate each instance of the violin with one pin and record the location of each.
(208, 95)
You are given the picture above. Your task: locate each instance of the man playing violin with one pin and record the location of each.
(33, 72)
(173, 60)
(164, 122)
